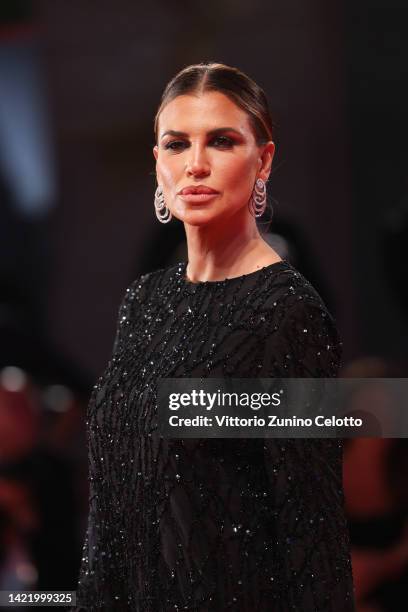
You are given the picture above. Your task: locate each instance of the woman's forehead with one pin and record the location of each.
(202, 112)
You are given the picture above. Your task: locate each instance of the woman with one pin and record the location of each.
(213, 524)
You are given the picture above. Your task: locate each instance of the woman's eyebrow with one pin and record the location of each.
(210, 133)
(224, 129)
(174, 133)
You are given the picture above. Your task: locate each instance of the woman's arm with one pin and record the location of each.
(305, 475)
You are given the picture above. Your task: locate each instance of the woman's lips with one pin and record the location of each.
(197, 194)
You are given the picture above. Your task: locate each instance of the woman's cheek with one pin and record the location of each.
(239, 175)
(168, 172)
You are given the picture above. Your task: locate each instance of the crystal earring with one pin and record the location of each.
(257, 202)
(162, 212)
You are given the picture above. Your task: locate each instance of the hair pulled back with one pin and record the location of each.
(237, 86)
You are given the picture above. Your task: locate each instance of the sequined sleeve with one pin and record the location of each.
(303, 343)
(90, 584)
(311, 534)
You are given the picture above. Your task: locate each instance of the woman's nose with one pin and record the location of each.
(197, 163)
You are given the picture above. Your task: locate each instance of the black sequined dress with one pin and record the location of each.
(213, 524)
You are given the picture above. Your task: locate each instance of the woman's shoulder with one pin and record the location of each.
(137, 293)
(146, 281)
(302, 334)
(148, 277)
(285, 286)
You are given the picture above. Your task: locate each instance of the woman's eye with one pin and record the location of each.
(175, 145)
(222, 142)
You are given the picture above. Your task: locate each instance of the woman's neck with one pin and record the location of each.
(218, 251)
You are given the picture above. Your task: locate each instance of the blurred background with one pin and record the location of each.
(79, 86)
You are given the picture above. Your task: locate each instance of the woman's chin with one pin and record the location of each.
(199, 215)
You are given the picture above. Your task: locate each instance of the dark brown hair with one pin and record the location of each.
(233, 83)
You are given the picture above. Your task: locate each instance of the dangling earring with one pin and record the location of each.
(162, 212)
(257, 202)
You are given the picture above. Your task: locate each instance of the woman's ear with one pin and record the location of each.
(265, 159)
(156, 154)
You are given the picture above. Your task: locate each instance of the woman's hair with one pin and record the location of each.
(231, 82)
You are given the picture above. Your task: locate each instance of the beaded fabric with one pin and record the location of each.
(213, 524)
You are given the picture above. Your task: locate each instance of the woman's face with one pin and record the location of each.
(207, 158)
